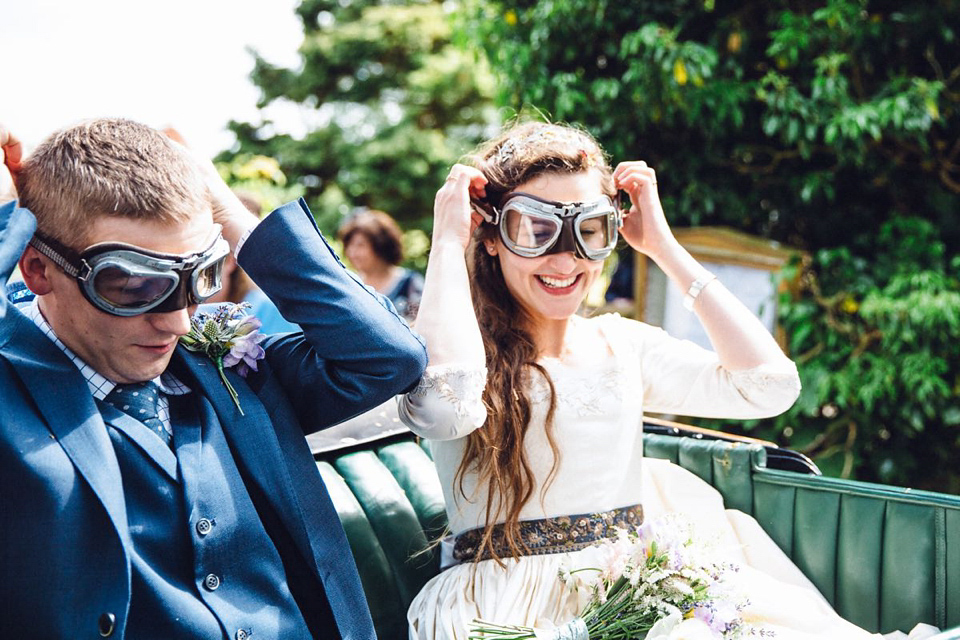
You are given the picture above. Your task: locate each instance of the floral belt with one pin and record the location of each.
(551, 535)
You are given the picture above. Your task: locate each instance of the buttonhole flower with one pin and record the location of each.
(229, 336)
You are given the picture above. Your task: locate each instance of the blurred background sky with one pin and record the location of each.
(182, 63)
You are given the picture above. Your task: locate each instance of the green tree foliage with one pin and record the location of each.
(832, 126)
(876, 343)
(259, 178)
(393, 103)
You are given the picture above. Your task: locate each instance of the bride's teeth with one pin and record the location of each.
(556, 282)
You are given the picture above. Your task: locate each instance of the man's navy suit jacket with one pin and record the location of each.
(64, 540)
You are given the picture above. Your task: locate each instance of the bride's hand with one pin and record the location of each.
(453, 217)
(644, 227)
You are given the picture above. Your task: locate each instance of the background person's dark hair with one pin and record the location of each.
(380, 229)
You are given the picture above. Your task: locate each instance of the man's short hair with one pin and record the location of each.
(109, 167)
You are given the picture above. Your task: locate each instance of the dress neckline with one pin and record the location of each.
(611, 354)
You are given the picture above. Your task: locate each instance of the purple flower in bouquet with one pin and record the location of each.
(721, 616)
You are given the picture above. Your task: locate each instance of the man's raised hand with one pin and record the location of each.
(11, 153)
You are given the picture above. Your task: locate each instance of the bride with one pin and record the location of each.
(535, 413)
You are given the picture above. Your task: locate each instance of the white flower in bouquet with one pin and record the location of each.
(674, 627)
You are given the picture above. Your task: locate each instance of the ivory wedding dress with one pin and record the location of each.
(600, 399)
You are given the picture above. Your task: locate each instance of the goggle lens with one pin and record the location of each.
(599, 232)
(209, 280)
(530, 231)
(131, 291)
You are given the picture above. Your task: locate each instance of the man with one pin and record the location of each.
(139, 499)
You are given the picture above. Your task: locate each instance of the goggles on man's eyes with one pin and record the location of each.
(125, 280)
(531, 226)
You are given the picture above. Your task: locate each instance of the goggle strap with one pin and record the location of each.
(487, 211)
(58, 254)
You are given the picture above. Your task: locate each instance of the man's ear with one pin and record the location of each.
(35, 269)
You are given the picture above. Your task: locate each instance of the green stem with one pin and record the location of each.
(233, 392)
(504, 631)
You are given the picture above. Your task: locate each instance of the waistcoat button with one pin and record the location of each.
(211, 582)
(106, 624)
(241, 634)
(204, 526)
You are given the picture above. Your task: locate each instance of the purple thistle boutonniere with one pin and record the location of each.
(230, 336)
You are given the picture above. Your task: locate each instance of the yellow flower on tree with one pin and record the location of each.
(680, 72)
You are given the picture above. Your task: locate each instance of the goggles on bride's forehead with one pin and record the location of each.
(531, 226)
(126, 280)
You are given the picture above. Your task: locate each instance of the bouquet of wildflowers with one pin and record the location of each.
(230, 336)
(655, 583)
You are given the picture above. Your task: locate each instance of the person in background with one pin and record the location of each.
(619, 294)
(372, 243)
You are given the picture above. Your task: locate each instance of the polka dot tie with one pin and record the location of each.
(140, 400)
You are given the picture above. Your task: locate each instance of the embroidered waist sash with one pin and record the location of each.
(551, 535)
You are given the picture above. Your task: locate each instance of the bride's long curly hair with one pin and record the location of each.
(496, 452)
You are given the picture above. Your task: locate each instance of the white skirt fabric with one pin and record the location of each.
(528, 592)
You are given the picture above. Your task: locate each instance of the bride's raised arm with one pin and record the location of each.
(736, 334)
(764, 380)
(447, 403)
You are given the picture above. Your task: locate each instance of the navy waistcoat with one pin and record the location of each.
(203, 563)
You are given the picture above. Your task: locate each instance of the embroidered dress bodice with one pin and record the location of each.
(598, 416)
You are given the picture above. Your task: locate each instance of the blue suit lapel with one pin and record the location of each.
(148, 442)
(251, 436)
(67, 406)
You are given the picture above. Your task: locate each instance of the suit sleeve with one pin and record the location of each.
(16, 228)
(355, 352)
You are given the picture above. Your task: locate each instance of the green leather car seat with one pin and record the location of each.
(885, 557)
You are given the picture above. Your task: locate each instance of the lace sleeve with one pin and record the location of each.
(446, 404)
(772, 387)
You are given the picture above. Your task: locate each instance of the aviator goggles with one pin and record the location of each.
(125, 280)
(531, 226)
